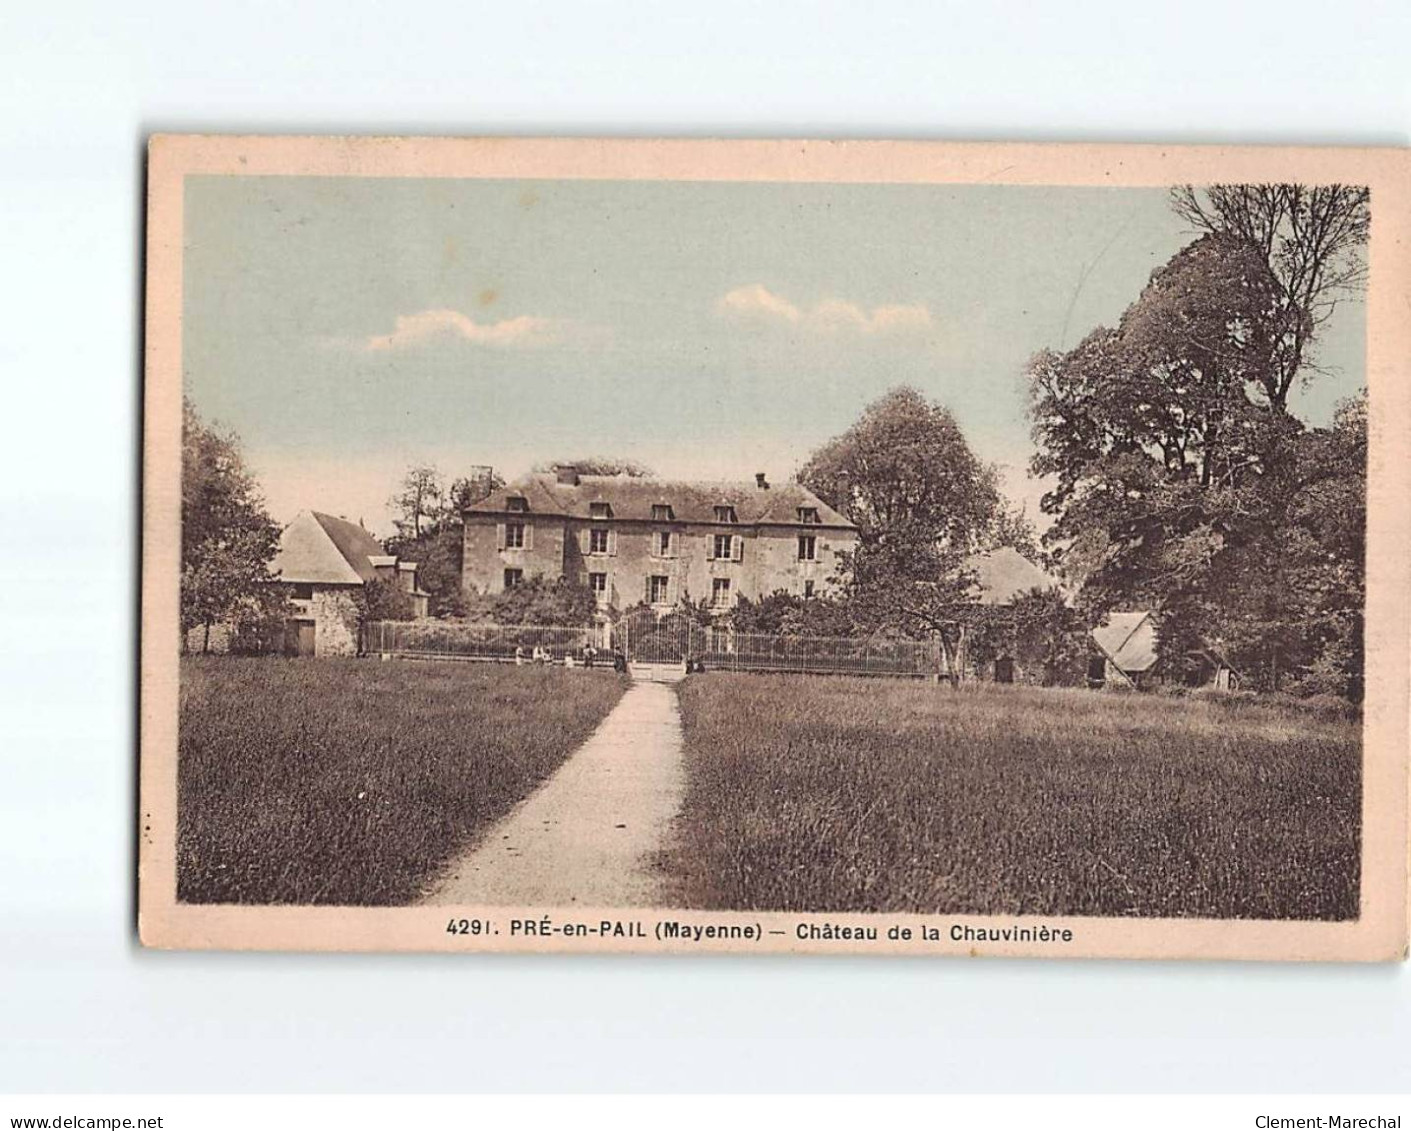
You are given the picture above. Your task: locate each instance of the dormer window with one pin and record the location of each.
(662, 512)
(517, 504)
(725, 513)
(600, 510)
(808, 515)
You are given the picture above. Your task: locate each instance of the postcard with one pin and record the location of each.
(873, 548)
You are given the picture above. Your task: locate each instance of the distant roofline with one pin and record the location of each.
(541, 486)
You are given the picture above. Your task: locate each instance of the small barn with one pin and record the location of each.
(326, 562)
(1126, 650)
(1002, 576)
(1127, 654)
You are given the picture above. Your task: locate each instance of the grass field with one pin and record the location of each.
(352, 781)
(841, 794)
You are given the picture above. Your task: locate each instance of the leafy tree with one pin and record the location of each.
(1311, 237)
(1156, 431)
(384, 599)
(538, 600)
(599, 465)
(439, 548)
(922, 501)
(1051, 635)
(419, 500)
(467, 490)
(227, 538)
(787, 614)
(1182, 479)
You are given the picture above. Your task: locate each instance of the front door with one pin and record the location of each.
(299, 637)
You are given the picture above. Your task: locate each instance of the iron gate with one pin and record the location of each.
(645, 638)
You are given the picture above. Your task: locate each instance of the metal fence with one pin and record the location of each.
(667, 642)
(822, 655)
(453, 641)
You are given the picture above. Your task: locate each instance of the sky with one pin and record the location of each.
(346, 328)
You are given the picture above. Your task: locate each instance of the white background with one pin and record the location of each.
(82, 1008)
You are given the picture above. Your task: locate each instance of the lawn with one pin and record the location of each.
(843, 794)
(353, 781)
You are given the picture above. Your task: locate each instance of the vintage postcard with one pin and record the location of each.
(786, 546)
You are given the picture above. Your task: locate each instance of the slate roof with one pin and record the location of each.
(1129, 640)
(633, 498)
(1005, 573)
(320, 549)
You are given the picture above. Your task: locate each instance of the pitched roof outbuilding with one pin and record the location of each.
(1005, 573)
(323, 550)
(1129, 640)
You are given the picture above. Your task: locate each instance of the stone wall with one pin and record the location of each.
(335, 613)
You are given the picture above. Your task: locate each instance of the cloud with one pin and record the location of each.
(756, 299)
(831, 315)
(428, 325)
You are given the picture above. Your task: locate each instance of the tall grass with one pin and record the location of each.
(352, 781)
(841, 794)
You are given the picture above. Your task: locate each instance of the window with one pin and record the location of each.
(725, 513)
(513, 577)
(301, 591)
(598, 540)
(600, 510)
(724, 543)
(598, 583)
(808, 589)
(808, 515)
(663, 542)
(720, 591)
(656, 589)
(661, 512)
(514, 535)
(517, 503)
(808, 547)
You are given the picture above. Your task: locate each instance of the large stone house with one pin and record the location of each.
(635, 540)
(326, 563)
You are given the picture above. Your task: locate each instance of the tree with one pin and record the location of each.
(1311, 238)
(1156, 431)
(922, 502)
(788, 614)
(384, 599)
(537, 600)
(419, 500)
(599, 465)
(1182, 478)
(439, 547)
(467, 490)
(227, 538)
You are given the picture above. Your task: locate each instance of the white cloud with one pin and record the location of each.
(757, 300)
(831, 315)
(428, 325)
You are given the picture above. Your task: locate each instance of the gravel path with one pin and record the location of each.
(588, 834)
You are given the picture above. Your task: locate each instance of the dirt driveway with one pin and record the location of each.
(587, 836)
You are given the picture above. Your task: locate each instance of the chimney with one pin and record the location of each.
(567, 473)
(760, 481)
